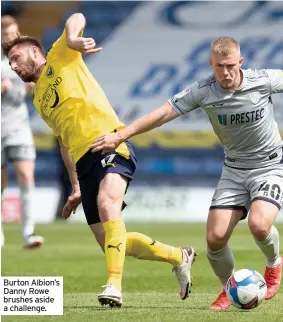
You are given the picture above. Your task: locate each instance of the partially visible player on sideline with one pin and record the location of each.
(72, 103)
(17, 143)
(239, 105)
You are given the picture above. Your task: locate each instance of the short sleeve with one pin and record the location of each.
(276, 80)
(187, 100)
(60, 50)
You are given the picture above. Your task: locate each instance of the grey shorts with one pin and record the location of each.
(238, 188)
(17, 153)
(18, 145)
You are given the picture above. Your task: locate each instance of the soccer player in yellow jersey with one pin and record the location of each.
(71, 102)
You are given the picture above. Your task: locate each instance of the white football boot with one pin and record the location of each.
(110, 296)
(183, 272)
(33, 241)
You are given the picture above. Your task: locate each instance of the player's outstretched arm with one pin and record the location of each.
(156, 118)
(75, 198)
(74, 27)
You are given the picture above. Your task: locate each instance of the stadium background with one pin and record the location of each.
(151, 51)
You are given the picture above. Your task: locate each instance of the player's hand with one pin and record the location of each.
(71, 205)
(106, 143)
(83, 45)
(6, 85)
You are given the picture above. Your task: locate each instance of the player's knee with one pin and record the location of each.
(105, 202)
(259, 227)
(108, 206)
(216, 240)
(24, 178)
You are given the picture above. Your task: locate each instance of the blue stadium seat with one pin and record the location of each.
(102, 17)
(50, 36)
(11, 8)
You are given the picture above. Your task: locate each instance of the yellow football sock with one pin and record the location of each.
(143, 247)
(115, 249)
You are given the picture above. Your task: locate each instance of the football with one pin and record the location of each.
(246, 289)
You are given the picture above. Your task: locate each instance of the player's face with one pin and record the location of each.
(9, 32)
(22, 61)
(227, 69)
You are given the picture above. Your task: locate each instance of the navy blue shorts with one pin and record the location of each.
(92, 168)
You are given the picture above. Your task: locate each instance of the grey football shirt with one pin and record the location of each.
(243, 120)
(14, 111)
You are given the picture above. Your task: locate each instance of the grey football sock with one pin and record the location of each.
(26, 195)
(222, 263)
(270, 247)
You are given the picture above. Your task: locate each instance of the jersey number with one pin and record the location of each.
(107, 161)
(274, 191)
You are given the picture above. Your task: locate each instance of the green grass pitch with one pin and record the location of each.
(150, 289)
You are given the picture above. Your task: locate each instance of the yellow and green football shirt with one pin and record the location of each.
(72, 103)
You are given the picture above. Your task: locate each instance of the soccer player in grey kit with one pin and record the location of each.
(17, 143)
(239, 105)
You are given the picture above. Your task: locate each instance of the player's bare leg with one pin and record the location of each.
(4, 178)
(99, 234)
(261, 219)
(220, 225)
(110, 198)
(25, 179)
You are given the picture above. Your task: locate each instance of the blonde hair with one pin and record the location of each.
(224, 46)
(7, 21)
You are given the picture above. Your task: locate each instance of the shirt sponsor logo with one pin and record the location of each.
(241, 118)
(50, 97)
